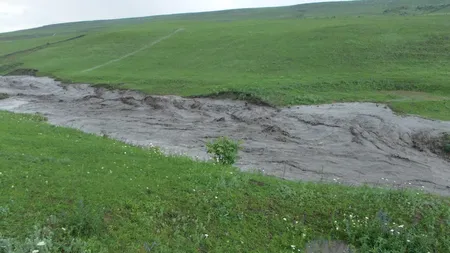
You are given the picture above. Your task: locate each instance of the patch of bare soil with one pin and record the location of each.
(350, 143)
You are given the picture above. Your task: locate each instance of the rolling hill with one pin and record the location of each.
(384, 51)
(62, 190)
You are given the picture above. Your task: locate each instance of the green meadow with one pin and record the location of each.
(306, 54)
(83, 193)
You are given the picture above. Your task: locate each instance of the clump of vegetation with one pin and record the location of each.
(382, 233)
(447, 143)
(224, 150)
(45, 239)
(3, 96)
(66, 232)
(38, 117)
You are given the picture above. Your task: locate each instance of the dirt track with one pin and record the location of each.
(351, 143)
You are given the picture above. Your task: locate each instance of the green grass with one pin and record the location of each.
(434, 109)
(11, 46)
(75, 191)
(117, 198)
(333, 52)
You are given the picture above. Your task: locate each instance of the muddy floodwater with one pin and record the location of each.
(351, 143)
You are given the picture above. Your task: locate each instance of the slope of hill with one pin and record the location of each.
(349, 51)
(65, 191)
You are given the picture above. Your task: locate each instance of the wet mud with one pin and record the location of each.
(350, 143)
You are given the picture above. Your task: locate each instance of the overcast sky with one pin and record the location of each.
(22, 14)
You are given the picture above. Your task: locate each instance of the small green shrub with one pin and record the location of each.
(3, 96)
(447, 148)
(224, 150)
(447, 143)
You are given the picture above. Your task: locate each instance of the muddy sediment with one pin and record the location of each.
(351, 143)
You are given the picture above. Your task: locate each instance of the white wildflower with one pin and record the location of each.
(284, 219)
(35, 251)
(42, 243)
(401, 226)
(206, 235)
(293, 247)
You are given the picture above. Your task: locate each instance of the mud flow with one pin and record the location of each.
(352, 143)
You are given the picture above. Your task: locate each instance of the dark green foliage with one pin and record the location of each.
(3, 96)
(224, 150)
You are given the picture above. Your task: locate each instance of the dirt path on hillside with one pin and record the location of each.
(135, 52)
(351, 143)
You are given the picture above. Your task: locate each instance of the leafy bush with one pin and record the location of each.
(224, 150)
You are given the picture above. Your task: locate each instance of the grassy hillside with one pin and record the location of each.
(68, 189)
(305, 54)
(65, 191)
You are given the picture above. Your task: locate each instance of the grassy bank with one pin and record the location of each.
(115, 198)
(331, 52)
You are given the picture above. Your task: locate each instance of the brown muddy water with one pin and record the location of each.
(350, 143)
